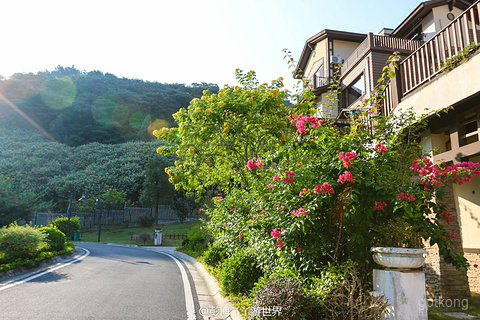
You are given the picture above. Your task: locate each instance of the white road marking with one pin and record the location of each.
(46, 271)
(186, 288)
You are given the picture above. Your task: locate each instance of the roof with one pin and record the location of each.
(422, 11)
(322, 35)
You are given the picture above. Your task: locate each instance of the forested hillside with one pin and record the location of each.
(77, 107)
(71, 132)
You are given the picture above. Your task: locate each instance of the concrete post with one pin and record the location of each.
(405, 291)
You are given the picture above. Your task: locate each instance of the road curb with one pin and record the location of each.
(222, 303)
(213, 305)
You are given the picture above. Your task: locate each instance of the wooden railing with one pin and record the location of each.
(427, 61)
(379, 42)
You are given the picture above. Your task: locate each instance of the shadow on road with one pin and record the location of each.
(51, 277)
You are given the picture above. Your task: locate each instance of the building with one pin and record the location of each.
(439, 67)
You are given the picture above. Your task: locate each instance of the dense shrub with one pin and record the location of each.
(340, 294)
(55, 238)
(214, 255)
(284, 297)
(196, 240)
(62, 223)
(18, 242)
(239, 273)
(146, 221)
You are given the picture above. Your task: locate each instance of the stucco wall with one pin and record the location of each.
(319, 53)
(467, 201)
(445, 90)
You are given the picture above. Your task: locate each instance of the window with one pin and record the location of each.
(468, 128)
(354, 91)
(319, 79)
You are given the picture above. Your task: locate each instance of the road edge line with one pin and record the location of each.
(36, 275)
(190, 306)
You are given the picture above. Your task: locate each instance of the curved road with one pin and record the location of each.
(109, 282)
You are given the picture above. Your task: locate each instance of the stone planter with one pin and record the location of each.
(399, 258)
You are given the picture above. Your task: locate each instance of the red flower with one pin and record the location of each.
(380, 205)
(381, 148)
(280, 243)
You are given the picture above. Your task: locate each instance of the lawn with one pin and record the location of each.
(470, 307)
(123, 235)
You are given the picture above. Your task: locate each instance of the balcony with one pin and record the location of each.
(428, 61)
(379, 43)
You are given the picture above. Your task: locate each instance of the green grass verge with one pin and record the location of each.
(471, 308)
(42, 256)
(123, 235)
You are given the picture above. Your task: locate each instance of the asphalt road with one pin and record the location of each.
(108, 282)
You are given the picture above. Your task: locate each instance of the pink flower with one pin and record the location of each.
(276, 233)
(299, 212)
(289, 176)
(232, 208)
(299, 249)
(346, 176)
(219, 198)
(280, 243)
(347, 158)
(276, 177)
(254, 163)
(239, 236)
(270, 186)
(301, 121)
(324, 188)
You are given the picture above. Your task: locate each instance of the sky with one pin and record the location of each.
(178, 41)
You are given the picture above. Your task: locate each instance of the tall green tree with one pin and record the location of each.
(156, 188)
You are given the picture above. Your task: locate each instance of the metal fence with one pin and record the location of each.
(129, 216)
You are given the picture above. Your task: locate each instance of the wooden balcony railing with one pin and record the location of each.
(427, 61)
(379, 42)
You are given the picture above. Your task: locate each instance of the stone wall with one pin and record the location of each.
(444, 280)
(432, 272)
(473, 272)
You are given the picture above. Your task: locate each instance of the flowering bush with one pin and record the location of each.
(309, 193)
